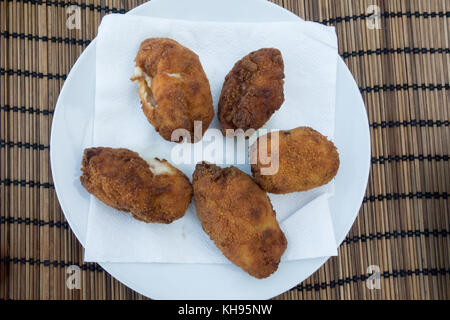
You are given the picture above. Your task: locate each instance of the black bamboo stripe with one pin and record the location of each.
(33, 74)
(408, 14)
(375, 125)
(411, 195)
(357, 53)
(52, 263)
(23, 109)
(381, 51)
(376, 88)
(362, 16)
(308, 287)
(24, 183)
(26, 145)
(63, 4)
(370, 198)
(345, 55)
(404, 87)
(412, 123)
(34, 222)
(411, 157)
(19, 35)
(401, 273)
(395, 234)
(374, 160)
(348, 240)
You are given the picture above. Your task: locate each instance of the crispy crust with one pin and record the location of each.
(252, 91)
(306, 160)
(238, 216)
(123, 180)
(179, 87)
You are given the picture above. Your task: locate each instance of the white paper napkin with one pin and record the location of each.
(310, 56)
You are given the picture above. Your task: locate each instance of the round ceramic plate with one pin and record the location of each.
(72, 124)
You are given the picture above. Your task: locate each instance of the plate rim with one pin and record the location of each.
(108, 266)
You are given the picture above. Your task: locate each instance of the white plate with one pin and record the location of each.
(72, 123)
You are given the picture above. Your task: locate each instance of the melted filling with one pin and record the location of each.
(158, 167)
(144, 85)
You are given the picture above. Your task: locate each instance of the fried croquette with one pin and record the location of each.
(153, 191)
(252, 91)
(238, 216)
(173, 88)
(306, 160)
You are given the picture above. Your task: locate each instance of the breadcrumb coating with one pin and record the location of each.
(238, 216)
(123, 180)
(252, 91)
(307, 160)
(173, 87)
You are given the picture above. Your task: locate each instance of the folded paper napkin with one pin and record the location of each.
(310, 56)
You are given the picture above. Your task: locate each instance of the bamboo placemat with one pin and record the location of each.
(403, 226)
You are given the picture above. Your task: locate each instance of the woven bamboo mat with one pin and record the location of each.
(403, 226)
